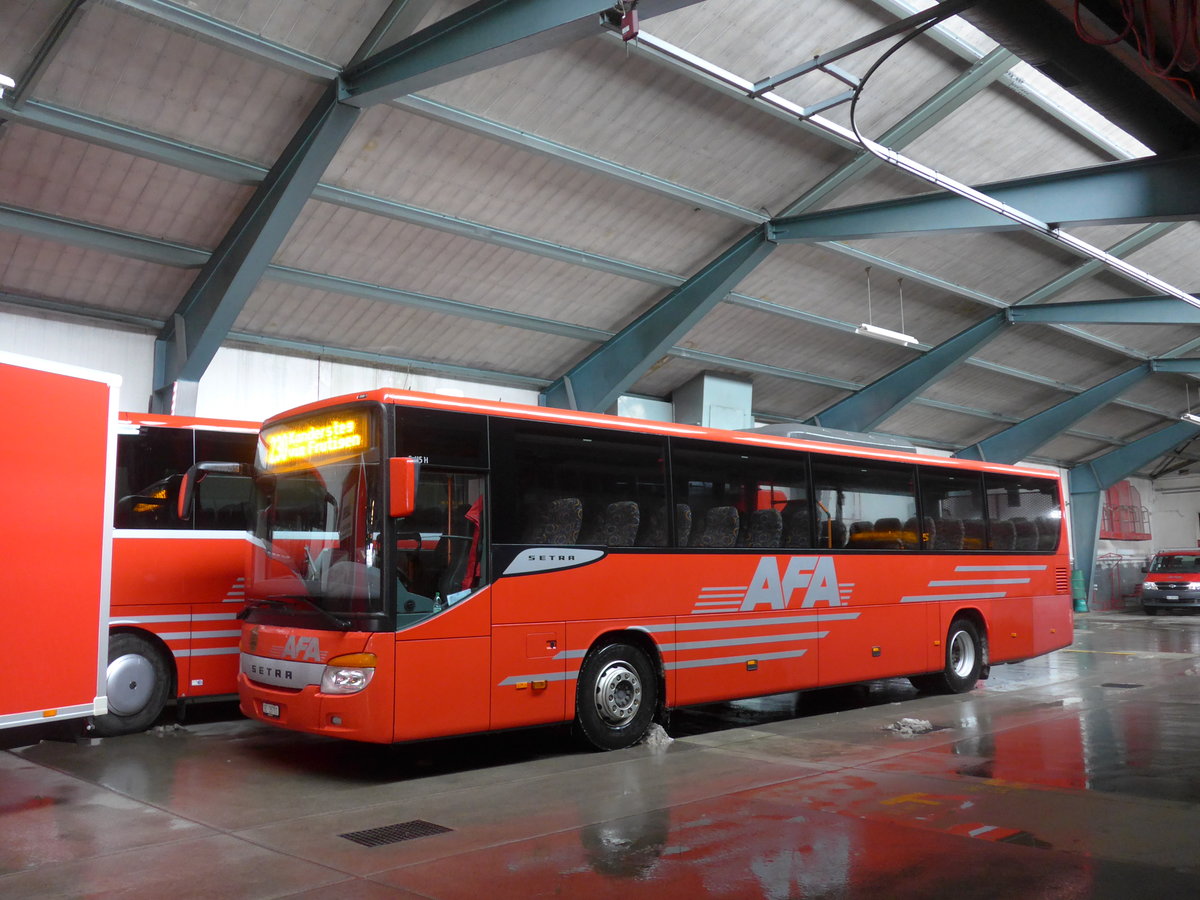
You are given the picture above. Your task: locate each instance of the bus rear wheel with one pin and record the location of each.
(964, 662)
(616, 696)
(137, 685)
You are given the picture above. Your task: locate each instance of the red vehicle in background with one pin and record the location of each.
(177, 581)
(1172, 581)
(56, 469)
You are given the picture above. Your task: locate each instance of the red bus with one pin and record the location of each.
(177, 583)
(426, 566)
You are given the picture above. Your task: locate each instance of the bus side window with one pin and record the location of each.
(741, 496)
(572, 485)
(863, 504)
(1023, 512)
(150, 466)
(439, 547)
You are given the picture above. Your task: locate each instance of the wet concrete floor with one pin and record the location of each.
(1070, 776)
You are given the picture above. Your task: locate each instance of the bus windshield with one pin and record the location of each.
(319, 524)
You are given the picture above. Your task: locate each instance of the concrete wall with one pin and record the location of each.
(240, 384)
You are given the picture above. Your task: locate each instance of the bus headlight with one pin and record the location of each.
(348, 674)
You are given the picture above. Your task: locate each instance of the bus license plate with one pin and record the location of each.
(271, 710)
(1172, 596)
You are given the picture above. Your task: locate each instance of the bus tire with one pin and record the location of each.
(137, 684)
(964, 662)
(615, 697)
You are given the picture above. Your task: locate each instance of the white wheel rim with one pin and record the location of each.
(962, 654)
(618, 695)
(130, 684)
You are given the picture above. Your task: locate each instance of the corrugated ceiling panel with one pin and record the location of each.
(35, 267)
(1030, 143)
(1051, 354)
(54, 174)
(1162, 392)
(992, 391)
(591, 94)
(821, 281)
(120, 66)
(1119, 421)
(927, 423)
(326, 29)
(1006, 265)
(776, 35)
(792, 344)
(24, 24)
(792, 399)
(413, 160)
(376, 327)
(338, 241)
(1073, 448)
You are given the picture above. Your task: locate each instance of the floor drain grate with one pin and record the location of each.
(393, 834)
(1119, 684)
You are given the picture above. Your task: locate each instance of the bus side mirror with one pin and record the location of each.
(402, 474)
(192, 478)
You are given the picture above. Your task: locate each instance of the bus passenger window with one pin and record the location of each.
(863, 504)
(1023, 513)
(572, 485)
(952, 502)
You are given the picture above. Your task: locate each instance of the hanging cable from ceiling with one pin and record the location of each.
(1180, 45)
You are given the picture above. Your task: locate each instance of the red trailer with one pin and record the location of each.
(57, 459)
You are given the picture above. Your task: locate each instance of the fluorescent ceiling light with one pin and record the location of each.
(1189, 417)
(895, 337)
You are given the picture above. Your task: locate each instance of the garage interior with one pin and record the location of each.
(969, 225)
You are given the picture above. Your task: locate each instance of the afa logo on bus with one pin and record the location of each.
(780, 582)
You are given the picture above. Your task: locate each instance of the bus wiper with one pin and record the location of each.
(286, 601)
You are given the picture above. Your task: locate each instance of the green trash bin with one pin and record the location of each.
(1079, 590)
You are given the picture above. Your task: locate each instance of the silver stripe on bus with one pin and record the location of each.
(931, 597)
(1000, 568)
(184, 635)
(959, 581)
(733, 660)
(744, 642)
(712, 624)
(213, 617)
(208, 651)
(710, 597)
(146, 620)
(550, 676)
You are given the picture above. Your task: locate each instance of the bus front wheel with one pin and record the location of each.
(616, 696)
(964, 662)
(137, 685)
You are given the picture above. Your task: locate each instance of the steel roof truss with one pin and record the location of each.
(1140, 190)
(1015, 443)
(216, 297)
(1127, 311)
(868, 407)
(485, 34)
(595, 383)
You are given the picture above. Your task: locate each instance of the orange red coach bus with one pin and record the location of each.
(177, 583)
(427, 566)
